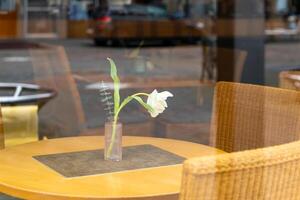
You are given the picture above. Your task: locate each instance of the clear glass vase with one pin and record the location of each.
(113, 146)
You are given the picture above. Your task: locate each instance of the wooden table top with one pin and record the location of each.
(24, 177)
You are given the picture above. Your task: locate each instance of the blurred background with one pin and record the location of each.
(53, 59)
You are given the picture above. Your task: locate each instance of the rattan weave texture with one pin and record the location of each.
(249, 117)
(261, 174)
(289, 79)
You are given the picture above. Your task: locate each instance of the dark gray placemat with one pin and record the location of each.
(91, 162)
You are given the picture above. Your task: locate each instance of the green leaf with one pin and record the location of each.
(146, 106)
(126, 101)
(114, 76)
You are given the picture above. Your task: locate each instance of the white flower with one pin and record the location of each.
(158, 102)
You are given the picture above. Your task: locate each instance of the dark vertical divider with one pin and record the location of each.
(240, 26)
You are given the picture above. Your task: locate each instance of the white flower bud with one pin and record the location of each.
(158, 102)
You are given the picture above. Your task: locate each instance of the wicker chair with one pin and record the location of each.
(289, 79)
(250, 116)
(261, 174)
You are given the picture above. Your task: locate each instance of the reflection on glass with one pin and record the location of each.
(182, 46)
(7, 5)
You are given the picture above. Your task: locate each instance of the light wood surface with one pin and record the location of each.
(24, 177)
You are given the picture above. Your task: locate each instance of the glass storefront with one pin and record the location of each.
(107, 99)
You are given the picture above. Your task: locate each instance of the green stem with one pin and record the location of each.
(140, 94)
(113, 136)
(114, 125)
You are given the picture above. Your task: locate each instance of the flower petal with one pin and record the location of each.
(164, 95)
(152, 97)
(162, 103)
(154, 114)
(158, 102)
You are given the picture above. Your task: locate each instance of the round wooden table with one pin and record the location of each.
(23, 176)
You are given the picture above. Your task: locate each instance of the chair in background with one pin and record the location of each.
(249, 116)
(267, 173)
(20, 124)
(20, 104)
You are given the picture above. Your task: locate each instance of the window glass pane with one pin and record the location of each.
(7, 5)
(174, 79)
